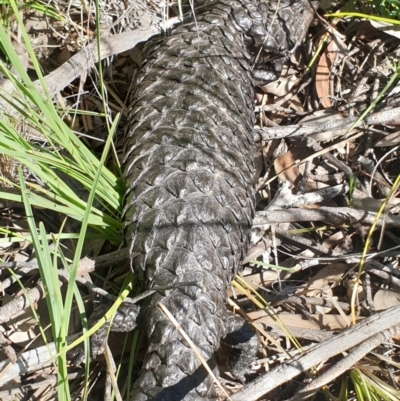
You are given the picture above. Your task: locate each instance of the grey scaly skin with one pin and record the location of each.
(188, 168)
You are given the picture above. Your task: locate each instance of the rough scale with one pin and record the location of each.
(188, 167)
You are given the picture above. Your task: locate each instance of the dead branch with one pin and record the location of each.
(88, 56)
(33, 295)
(20, 303)
(58, 79)
(29, 361)
(387, 117)
(331, 215)
(320, 353)
(346, 363)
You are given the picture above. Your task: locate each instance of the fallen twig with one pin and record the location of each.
(388, 117)
(28, 362)
(346, 363)
(320, 353)
(89, 55)
(109, 46)
(331, 215)
(85, 59)
(33, 295)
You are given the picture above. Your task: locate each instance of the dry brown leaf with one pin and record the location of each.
(365, 202)
(319, 286)
(281, 87)
(339, 241)
(333, 240)
(385, 299)
(329, 274)
(284, 171)
(389, 140)
(390, 29)
(296, 104)
(323, 72)
(22, 328)
(266, 278)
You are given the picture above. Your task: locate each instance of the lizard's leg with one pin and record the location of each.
(245, 342)
(125, 320)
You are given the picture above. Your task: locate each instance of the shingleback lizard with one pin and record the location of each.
(188, 168)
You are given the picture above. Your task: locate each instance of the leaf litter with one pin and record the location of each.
(309, 265)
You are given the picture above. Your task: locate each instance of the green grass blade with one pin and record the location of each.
(49, 277)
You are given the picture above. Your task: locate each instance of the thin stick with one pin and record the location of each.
(344, 341)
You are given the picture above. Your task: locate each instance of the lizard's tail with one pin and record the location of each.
(171, 369)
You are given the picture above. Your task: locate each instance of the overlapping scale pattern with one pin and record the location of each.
(189, 183)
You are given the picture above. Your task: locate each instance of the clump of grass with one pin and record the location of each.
(385, 11)
(59, 160)
(368, 386)
(64, 155)
(8, 13)
(388, 8)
